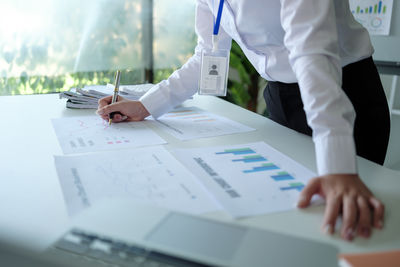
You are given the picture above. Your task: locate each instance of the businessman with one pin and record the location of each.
(322, 82)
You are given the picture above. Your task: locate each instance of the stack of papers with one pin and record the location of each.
(89, 96)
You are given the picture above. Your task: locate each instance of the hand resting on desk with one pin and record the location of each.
(130, 110)
(346, 194)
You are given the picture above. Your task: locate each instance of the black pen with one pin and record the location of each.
(115, 95)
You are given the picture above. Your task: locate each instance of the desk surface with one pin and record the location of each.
(31, 200)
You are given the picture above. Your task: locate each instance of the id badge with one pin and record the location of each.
(214, 72)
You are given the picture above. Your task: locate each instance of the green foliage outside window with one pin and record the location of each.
(244, 89)
(24, 85)
(78, 44)
(73, 43)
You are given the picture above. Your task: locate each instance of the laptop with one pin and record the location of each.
(125, 233)
(17, 255)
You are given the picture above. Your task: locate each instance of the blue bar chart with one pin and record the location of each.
(374, 15)
(282, 176)
(239, 151)
(378, 8)
(293, 186)
(247, 179)
(249, 159)
(263, 167)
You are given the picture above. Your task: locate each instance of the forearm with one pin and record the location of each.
(312, 39)
(183, 83)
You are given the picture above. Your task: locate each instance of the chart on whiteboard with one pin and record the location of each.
(91, 133)
(374, 15)
(150, 175)
(247, 179)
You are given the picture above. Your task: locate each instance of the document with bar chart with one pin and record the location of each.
(150, 175)
(91, 133)
(192, 123)
(374, 15)
(248, 179)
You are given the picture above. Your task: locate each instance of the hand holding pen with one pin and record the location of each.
(116, 108)
(115, 95)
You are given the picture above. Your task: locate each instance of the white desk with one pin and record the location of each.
(31, 201)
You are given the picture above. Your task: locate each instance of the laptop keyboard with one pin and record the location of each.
(92, 250)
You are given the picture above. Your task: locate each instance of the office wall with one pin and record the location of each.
(387, 47)
(393, 156)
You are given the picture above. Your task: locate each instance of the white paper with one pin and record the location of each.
(191, 123)
(151, 175)
(248, 179)
(374, 15)
(91, 133)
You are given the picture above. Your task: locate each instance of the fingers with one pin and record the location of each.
(308, 191)
(129, 110)
(364, 218)
(106, 110)
(104, 101)
(117, 117)
(349, 217)
(347, 196)
(379, 211)
(332, 210)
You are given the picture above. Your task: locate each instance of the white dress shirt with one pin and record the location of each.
(303, 41)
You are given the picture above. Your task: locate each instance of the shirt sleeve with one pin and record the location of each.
(183, 83)
(311, 36)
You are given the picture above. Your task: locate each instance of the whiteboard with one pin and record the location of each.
(387, 48)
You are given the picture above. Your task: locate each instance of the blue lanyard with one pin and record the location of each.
(218, 20)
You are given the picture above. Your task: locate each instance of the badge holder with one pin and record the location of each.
(214, 64)
(214, 72)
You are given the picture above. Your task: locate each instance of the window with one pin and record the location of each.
(52, 45)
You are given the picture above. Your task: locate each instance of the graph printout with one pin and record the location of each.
(374, 15)
(91, 133)
(150, 175)
(247, 179)
(192, 123)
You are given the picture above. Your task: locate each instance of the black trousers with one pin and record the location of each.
(362, 85)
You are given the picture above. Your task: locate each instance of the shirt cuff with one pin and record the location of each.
(335, 155)
(155, 102)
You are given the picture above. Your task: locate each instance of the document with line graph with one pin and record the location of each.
(91, 133)
(188, 123)
(150, 175)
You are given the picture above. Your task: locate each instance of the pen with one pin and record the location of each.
(115, 95)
